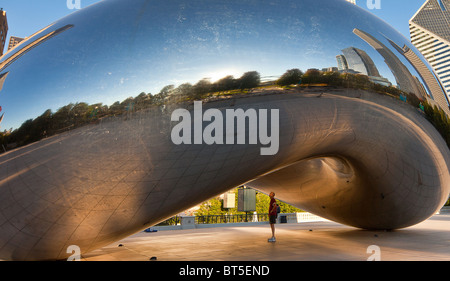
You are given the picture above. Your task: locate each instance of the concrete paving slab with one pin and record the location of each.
(314, 241)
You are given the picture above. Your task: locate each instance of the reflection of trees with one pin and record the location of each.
(249, 80)
(439, 119)
(204, 88)
(292, 76)
(355, 81)
(67, 117)
(73, 116)
(435, 115)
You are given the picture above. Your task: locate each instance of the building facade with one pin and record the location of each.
(430, 34)
(13, 41)
(3, 30)
(359, 61)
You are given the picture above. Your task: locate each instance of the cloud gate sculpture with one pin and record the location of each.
(125, 113)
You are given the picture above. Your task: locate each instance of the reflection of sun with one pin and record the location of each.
(214, 76)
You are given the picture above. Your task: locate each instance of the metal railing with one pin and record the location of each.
(213, 219)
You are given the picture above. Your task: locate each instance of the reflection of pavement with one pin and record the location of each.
(317, 241)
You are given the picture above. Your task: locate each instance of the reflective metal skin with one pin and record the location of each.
(88, 165)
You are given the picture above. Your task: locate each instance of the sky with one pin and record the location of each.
(28, 16)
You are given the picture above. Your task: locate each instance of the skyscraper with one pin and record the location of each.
(405, 80)
(430, 33)
(342, 62)
(359, 61)
(13, 41)
(3, 30)
(355, 60)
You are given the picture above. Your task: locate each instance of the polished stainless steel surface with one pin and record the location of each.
(90, 100)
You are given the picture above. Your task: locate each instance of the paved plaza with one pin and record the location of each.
(313, 241)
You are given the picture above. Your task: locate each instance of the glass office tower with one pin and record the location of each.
(430, 33)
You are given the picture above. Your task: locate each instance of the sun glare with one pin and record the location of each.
(219, 74)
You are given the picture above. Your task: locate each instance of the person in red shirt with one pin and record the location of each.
(272, 215)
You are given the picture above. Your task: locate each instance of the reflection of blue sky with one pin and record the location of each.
(117, 50)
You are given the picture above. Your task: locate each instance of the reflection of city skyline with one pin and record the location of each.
(357, 61)
(405, 80)
(164, 55)
(36, 42)
(432, 84)
(403, 76)
(25, 49)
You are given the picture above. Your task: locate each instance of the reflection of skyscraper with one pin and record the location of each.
(405, 81)
(430, 34)
(13, 41)
(3, 30)
(432, 84)
(36, 42)
(355, 60)
(342, 62)
(2, 79)
(359, 61)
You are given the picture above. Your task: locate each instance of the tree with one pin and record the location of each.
(225, 84)
(332, 78)
(98, 110)
(439, 119)
(62, 118)
(127, 105)
(142, 101)
(211, 207)
(115, 108)
(249, 80)
(311, 76)
(292, 76)
(22, 135)
(80, 113)
(263, 201)
(202, 87)
(41, 126)
(214, 206)
(159, 98)
(185, 89)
